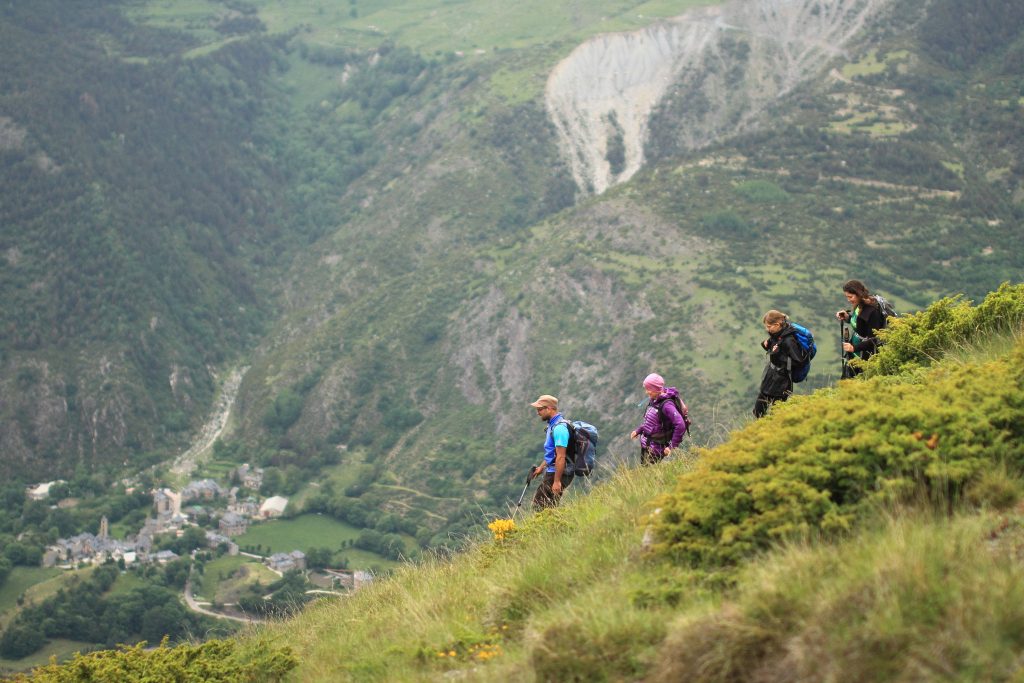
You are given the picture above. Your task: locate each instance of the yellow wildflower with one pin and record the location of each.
(501, 527)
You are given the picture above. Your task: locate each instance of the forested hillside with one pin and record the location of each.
(138, 200)
(382, 223)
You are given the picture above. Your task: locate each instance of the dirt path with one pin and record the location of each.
(195, 607)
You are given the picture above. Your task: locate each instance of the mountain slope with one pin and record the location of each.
(422, 378)
(851, 581)
(414, 258)
(890, 554)
(718, 66)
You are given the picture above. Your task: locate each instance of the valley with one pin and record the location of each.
(348, 244)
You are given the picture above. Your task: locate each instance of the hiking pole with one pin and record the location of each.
(842, 351)
(529, 479)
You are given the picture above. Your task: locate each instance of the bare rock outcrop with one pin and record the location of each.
(721, 65)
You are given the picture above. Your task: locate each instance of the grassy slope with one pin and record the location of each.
(914, 591)
(922, 583)
(716, 298)
(225, 578)
(20, 581)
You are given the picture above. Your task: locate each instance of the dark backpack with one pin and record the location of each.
(798, 371)
(581, 453)
(665, 428)
(886, 307)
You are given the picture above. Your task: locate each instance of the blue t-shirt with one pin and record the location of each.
(557, 435)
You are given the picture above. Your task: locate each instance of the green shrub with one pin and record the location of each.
(726, 224)
(761, 192)
(947, 325)
(214, 660)
(819, 463)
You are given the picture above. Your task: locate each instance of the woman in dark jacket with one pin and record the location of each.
(865, 319)
(783, 351)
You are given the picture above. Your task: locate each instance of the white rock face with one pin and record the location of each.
(602, 95)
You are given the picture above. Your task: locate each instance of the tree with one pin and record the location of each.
(176, 573)
(21, 640)
(14, 553)
(168, 619)
(283, 413)
(273, 482)
(194, 537)
(318, 558)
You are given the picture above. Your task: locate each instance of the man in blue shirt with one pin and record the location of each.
(556, 440)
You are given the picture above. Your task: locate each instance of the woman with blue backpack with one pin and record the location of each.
(787, 360)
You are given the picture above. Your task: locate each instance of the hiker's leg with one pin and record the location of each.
(648, 456)
(545, 497)
(761, 405)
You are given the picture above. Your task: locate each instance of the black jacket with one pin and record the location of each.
(784, 351)
(869, 321)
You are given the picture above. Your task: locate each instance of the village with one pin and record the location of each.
(223, 513)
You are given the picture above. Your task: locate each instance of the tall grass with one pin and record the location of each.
(916, 600)
(505, 607)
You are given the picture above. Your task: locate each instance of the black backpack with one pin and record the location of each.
(665, 428)
(886, 307)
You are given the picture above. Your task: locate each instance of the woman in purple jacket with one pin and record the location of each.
(664, 421)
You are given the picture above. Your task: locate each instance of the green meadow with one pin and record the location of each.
(57, 648)
(430, 26)
(20, 582)
(224, 579)
(311, 531)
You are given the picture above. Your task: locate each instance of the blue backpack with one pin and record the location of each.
(798, 371)
(581, 455)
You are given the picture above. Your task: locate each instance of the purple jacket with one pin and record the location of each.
(662, 419)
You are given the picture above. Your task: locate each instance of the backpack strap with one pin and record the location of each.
(665, 431)
(572, 432)
(789, 359)
(571, 449)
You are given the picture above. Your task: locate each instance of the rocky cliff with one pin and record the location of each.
(718, 67)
